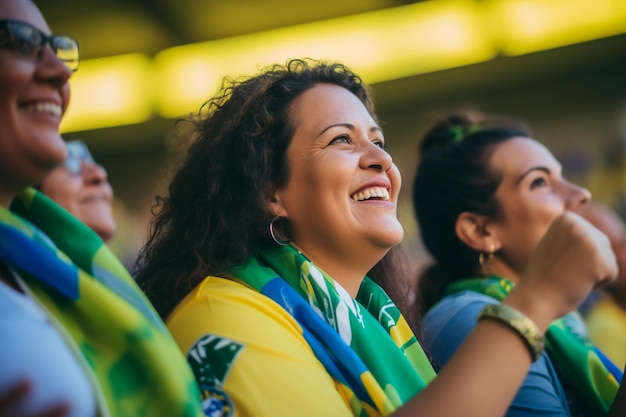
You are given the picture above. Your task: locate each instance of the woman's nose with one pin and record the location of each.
(577, 197)
(51, 68)
(375, 157)
(94, 173)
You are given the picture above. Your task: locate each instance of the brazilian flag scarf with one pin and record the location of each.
(133, 362)
(584, 368)
(365, 344)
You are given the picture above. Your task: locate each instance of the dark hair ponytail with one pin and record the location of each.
(453, 177)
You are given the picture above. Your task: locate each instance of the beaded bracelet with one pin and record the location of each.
(517, 321)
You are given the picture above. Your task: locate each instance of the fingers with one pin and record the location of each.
(580, 248)
(605, 261)
(13, 395)
(571, 259)
(59, 410)
(19, 394)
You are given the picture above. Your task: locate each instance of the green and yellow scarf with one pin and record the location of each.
(138, 368)
(584, 368)
(365, 344)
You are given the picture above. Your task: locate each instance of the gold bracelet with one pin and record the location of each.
(517, 321)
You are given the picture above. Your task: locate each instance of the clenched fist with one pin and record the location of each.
(572, 258)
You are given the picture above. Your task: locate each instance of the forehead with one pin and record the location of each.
(326, 104)
(515, 156)
(25, 11)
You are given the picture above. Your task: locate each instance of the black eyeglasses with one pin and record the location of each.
(30, 41)
(77, 154)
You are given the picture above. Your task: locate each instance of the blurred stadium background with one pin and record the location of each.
(560, 65)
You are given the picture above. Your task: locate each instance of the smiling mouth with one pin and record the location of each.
(47, 108)
(95, 199)
(373, 193)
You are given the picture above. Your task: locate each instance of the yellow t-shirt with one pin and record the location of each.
(606, 324)
(271, 369)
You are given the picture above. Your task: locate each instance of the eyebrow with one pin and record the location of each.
(541, 168)
(349, 126)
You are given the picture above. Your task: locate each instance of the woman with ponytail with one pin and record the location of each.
(485, 194)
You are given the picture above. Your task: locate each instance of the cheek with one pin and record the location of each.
(396, 179)
(551, 212)
(8, 115)
(326, 178)
(535, 212)
(15, 77)
(65, 92)
(529, 223)
(538, 224)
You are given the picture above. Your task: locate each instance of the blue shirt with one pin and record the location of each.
(33, 350)
(451, 320)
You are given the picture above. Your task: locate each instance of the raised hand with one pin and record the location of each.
(14, 399)
(571, 259)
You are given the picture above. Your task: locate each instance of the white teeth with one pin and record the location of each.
(50, 108)
(374, 192)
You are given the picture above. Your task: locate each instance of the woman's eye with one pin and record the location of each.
(342, 138)
(538, 182)
(380, 144)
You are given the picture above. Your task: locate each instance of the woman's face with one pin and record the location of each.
(531, 195)
(81, 187)
(34, 94)
(341, 196)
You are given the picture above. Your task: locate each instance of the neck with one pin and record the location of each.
(503, 270)
(348, 272)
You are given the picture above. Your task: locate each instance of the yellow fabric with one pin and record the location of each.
(606, 324)
(275, 354)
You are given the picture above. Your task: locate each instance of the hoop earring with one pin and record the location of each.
(275, 236)
(487, 264)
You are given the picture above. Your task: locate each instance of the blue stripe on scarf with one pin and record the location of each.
(617, 373)
(338, 358)
(18, 250)
(126, 292)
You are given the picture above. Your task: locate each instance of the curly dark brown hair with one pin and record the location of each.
(217, 213)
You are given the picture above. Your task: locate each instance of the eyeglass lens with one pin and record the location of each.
(77, 154)
(30, 41)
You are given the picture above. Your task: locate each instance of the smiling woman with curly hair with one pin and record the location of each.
(270, 260)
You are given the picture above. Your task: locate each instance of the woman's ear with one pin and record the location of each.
(473, 230)
(275, 203)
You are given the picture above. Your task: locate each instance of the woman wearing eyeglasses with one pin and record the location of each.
(80, 185)
(77, 336)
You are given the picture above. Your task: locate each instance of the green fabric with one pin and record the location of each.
(365, 343)
(582, 367)
(71, 272)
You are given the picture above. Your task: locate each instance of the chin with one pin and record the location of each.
(54, 147)
(391, 237)
(106, 232)
(103, 225)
